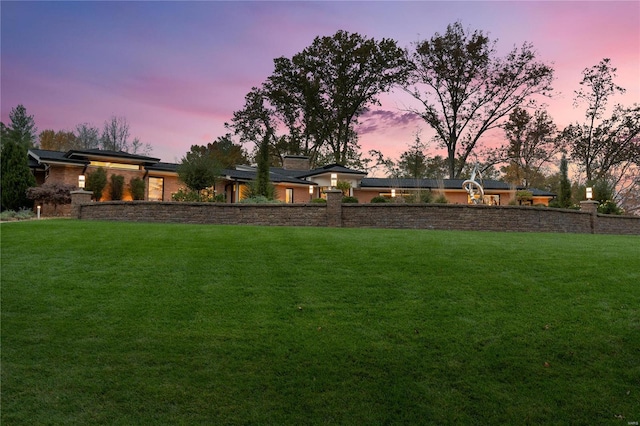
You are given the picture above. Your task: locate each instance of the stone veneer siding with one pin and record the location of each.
(336, 214)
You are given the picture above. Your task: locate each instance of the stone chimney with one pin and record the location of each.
(295, 162)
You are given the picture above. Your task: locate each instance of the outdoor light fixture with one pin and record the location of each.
(393, 193)
(334, 180)
(81, 181)
(589, 193)
(39, 208)
(311, 189)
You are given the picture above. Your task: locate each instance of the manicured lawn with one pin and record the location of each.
(121, 323)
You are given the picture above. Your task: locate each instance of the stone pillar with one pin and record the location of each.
(591, 206)
(79, 198)
(334, 208)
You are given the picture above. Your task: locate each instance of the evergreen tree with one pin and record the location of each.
(16, 177)
(564, 195)
(262, 177)
(23, 127)
(96, 182)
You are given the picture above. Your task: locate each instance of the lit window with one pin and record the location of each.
(110, 165)
(156, 188)
(289, 195)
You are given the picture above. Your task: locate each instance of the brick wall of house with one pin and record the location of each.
(412, 216)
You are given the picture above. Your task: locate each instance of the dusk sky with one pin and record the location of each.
(178, 70)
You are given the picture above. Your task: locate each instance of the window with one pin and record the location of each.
(288, 195)
(492, 200)
(112, 165)
(156, 189)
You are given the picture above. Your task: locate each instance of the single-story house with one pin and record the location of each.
(295, 182)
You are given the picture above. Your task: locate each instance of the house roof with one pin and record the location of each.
(105, 154)
(39, 156)
(426, 183)
(163, 167)
(75, 156)
(331, 168)
(276, 175)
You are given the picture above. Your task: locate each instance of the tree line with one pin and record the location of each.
(311, 105)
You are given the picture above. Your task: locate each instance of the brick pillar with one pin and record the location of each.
(77, 199)
(591, 206)
(334, 208)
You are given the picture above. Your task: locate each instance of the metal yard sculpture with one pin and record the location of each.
(473, 187)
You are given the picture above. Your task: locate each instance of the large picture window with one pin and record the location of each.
(289, 195)
(156, 188)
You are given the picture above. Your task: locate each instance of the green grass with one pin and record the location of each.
(121, 323)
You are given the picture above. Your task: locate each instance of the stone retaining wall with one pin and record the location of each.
(466, 217)
(211, 213)
(336, 214)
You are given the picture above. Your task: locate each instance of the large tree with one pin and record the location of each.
(311, 103)
(532, 144)
(466, 89)
(87, 136)
(606, 148)
(115, 137)
(115, 134)
(15, 175)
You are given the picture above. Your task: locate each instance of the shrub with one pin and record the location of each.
(8, 215)
(524, 195)
(252, 190)
(24, 214)
(259, 199)
(116, 189)
(441, 199)
(422, 196)
(379, 199)
(136, 188)
(204, 196)
(349, 200)
(609, 207)
(19, 215)
(51, 193)
(343, 186)
(319, 201)
(96, 182)
(185, 195)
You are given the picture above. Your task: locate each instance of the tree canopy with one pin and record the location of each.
(315, 98)
(604, 147)
(198, 171)
(466, 89)
(531, 144)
